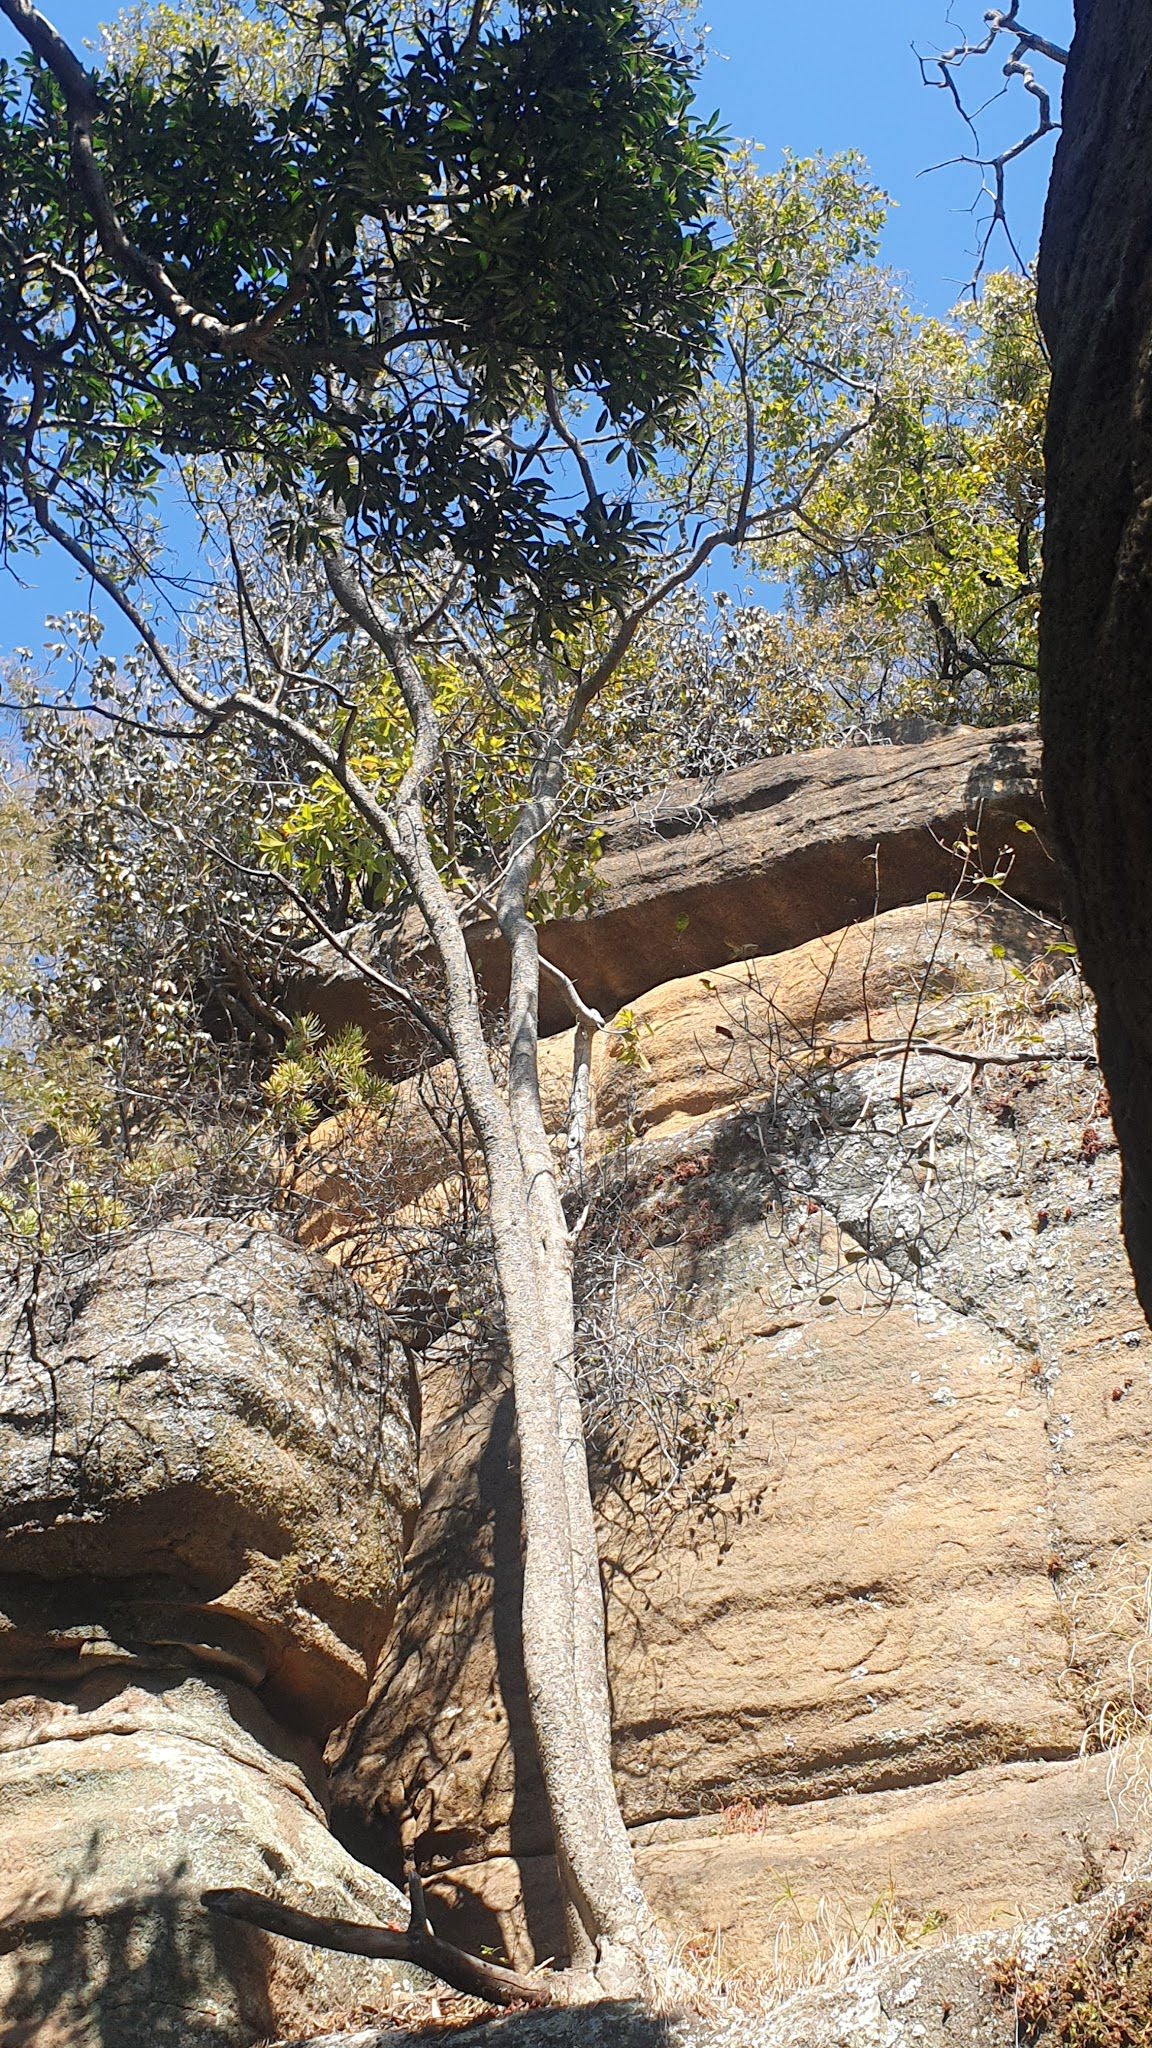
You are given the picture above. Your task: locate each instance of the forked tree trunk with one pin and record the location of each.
(611, 1927)
(609, 1923)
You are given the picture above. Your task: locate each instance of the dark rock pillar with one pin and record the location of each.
(1096, 647)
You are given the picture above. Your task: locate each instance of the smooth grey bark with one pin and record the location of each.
(609, 1922)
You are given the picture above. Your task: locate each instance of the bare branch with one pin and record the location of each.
(415, 1944)
(1026, 43)
(574, 445)
(394, 990)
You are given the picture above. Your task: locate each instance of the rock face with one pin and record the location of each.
(867, 1189)
(1096, 621)
(761, 859)
(209, 1481)
(1078, 1975)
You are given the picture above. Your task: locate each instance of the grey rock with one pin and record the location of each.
(220, 1454)
(209, 1482)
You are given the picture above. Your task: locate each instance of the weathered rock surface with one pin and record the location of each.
(219, 1454)
(1086, 1967)
(762, 859)
(121, 1798)
(600, 2026)
(877, 1175)
(969, 1852)
(209, 1481)
(691, 1048)
(1095, 284)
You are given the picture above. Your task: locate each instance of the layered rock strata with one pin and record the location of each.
(866, 1189)
(760, 859)
(209, 1482)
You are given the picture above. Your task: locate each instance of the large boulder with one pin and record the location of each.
(209, 1483)
(757, 860)
(1095, 285)
(218, 1452)
(122, 1795)
(870, 1184)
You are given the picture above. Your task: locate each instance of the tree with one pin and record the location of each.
(917, 576)
(464, 396)
(390, 295)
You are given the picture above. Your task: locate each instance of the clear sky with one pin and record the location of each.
(844, 75)
(839, 76)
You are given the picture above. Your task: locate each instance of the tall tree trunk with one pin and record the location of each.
(563, 1630)
(631, 1926)
(610, 1923)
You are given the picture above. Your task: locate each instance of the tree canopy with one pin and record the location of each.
(359, 288)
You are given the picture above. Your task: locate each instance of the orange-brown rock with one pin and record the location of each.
(761, 859)
(771, 1899)
(877, 1176)
(683, 1051)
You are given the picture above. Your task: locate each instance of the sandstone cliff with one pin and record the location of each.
(871, 1413)
(874, 1179)
(762, 858)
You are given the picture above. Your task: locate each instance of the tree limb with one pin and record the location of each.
(78, 86)
(1026, 43)
(415, 1944)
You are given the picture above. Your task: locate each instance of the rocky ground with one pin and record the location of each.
(1080, 1976)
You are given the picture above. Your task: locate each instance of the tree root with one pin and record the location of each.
(415, 1944)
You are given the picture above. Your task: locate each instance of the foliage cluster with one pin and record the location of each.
(169, 980)
(375, 275)
(919, 579)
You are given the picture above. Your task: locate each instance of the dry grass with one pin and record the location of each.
(1111, 1656)
(812, 1944)
(437, 2012)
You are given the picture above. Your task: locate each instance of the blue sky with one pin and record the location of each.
(844, 76)
(841, 76)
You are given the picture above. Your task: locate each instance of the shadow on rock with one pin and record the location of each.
(142, 1975)
(615, 2024)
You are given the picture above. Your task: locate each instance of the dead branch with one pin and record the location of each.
(1026, 44)
(415, 1944)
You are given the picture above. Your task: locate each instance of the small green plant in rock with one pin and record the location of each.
(1100, 1997)
(316, 1077)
